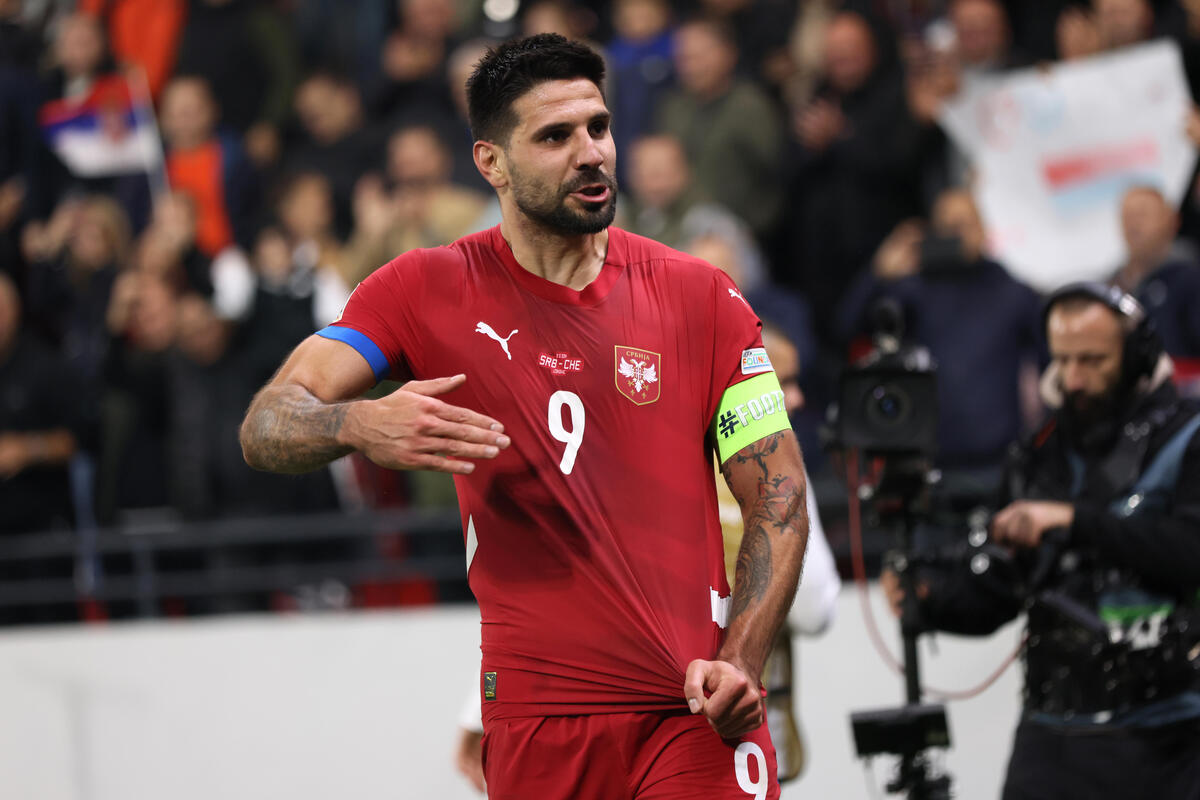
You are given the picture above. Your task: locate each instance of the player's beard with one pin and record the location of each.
(549, 207)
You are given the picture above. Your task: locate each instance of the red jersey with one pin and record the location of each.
(593, 541)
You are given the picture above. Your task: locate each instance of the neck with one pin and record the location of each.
(716, 90)
(573, 261)
(1137, 268)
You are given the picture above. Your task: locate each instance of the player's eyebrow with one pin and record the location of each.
(555, 127)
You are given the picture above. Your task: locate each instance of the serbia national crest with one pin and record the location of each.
(637, 373)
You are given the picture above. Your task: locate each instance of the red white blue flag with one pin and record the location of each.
(109, 131)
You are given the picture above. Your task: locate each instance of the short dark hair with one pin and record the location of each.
(515, 67)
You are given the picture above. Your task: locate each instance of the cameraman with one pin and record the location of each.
(1100, 545)
(979, 323)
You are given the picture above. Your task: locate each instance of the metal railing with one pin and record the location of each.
(143, 564)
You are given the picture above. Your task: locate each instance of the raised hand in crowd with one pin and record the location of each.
(932, 77)
(12, 196)
(42, 241)
(374, 209)
(900, 253)
(819, 125)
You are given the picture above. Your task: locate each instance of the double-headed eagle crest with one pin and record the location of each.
(639, 373)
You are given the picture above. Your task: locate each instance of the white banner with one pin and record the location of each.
(1054, 149)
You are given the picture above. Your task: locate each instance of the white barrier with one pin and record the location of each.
(365, 705)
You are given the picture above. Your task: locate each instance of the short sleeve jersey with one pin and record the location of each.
(593, 542)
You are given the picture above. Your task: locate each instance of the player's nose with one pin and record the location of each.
(589, 155)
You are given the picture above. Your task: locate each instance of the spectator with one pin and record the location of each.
(248, 58)
(208, 165)
(790, 316)
(564, 17)
(666, 205)
(134, 465)
(306, 215)
(143, 33)
(1107, 25)
(1121, 23)
(639, 60)
(173, 231)
(761, 29)
(74, 259)
(218, 367)
(80, 56)
(982, 36)
(729, 127)
(19, 46)
(20, 52)
(343, 34)
(856, 166)
(1076, 35)
(462, 63)
(423, 209)
(973, 40)
(36, 420)
(980, 325)
(1159, 272)
(337, 142)
(413, 84)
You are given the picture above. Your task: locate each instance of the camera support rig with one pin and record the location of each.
(887, 411)
(908, 731)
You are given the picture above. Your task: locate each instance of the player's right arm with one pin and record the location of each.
(308, 414)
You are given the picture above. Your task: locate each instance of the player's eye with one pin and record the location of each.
(599, 127)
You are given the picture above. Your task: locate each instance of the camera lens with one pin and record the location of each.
(888, 405)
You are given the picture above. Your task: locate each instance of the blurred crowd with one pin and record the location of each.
(306, 142)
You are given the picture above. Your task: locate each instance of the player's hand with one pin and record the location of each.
(411, 429)
(1025, 522)
(726, 695)
(469, 757)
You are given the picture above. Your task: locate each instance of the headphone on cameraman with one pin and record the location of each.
(1142, 348)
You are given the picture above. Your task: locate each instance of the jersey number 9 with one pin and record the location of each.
(571, 438)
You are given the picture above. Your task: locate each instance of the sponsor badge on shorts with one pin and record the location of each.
(489, 686)
(755, 361)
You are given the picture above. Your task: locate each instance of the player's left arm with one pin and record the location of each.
(767, 478)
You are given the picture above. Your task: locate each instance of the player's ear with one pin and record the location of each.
(490, 161)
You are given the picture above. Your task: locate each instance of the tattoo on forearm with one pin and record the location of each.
(287, 429)
(778, 510)
(753, 570)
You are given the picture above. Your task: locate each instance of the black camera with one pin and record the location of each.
(943, 255)
(888, 404)
(900, 731)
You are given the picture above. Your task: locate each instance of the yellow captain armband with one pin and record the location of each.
(748, 411)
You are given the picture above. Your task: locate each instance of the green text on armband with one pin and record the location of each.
(749, 411)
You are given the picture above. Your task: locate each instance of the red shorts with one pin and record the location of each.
(636, 756)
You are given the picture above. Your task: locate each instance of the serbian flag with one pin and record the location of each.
(109, 131)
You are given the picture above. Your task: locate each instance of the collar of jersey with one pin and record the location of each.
(590, 295)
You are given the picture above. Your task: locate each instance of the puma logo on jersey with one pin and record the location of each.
(738, 295)
(486, 330)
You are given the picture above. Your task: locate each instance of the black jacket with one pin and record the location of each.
(1154, 546)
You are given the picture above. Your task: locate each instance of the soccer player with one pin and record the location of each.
(591, 374)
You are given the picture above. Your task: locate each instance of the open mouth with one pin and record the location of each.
(592, 193)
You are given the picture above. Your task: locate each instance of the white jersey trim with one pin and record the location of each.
(472, 541)
(720, 608)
